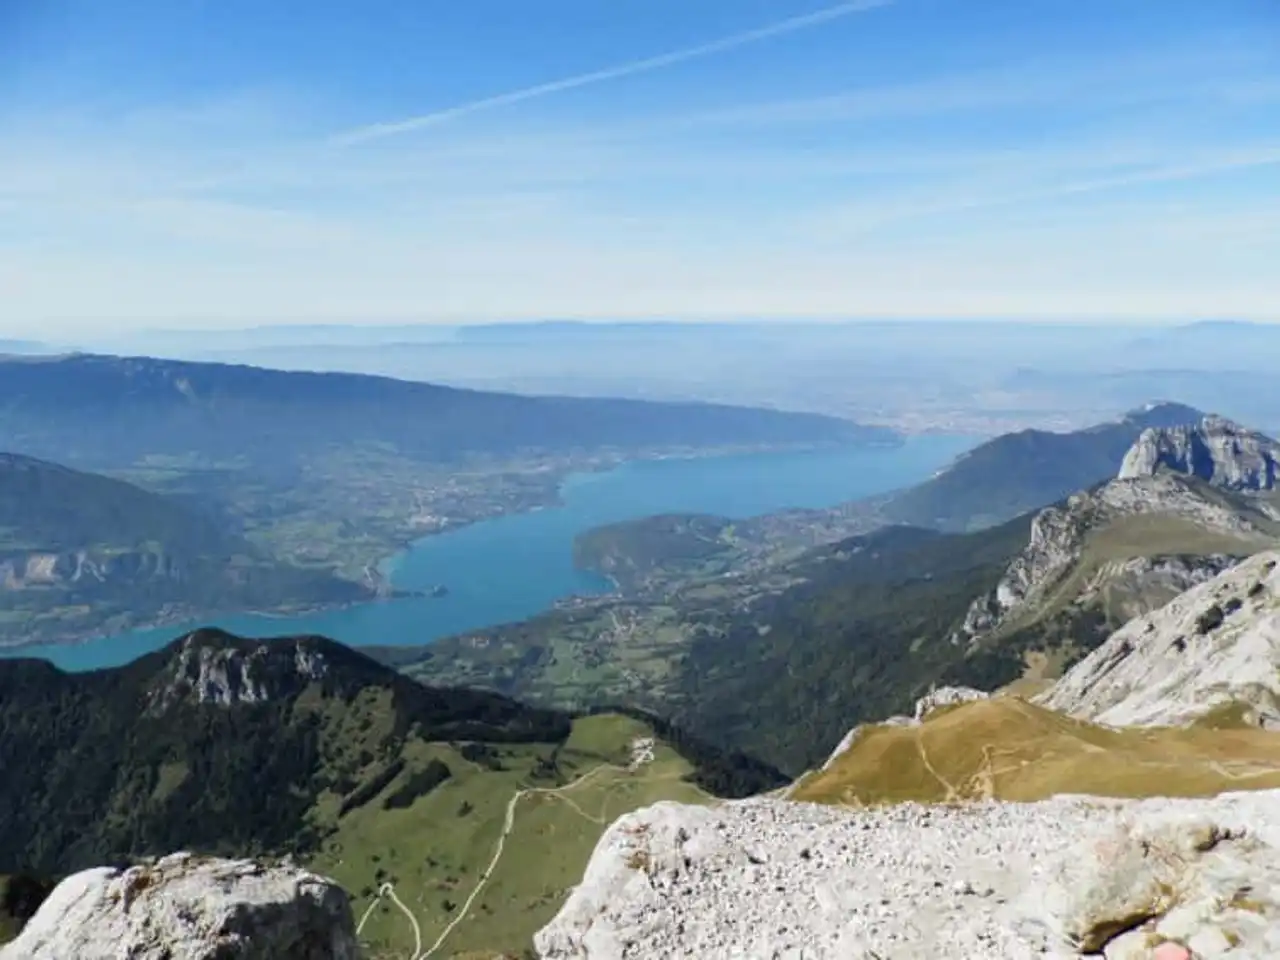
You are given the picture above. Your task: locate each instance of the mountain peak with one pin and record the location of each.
(1163, 413)
(1216, 450)
(211, 666)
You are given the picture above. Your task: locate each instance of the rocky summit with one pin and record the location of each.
(1066, 877)
(183, 907)
(1001, 860)
(1215, 450)
(1179, 490)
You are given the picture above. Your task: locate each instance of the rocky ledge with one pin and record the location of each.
(190, 908)
(1066, 877)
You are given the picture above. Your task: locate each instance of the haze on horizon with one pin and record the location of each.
(220, 164)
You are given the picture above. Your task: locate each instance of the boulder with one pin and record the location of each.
(183, 907)
(1185, 880)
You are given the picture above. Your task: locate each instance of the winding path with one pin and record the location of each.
(507, 826)
(388, 890)
(642, 755)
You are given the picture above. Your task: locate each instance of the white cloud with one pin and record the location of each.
(222, 216)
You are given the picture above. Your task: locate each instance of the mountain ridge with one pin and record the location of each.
(1017, 472)
(123, 408)
(304, 748)
(81, 552)
(1212, 653)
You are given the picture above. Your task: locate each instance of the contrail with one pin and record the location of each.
(803, 22)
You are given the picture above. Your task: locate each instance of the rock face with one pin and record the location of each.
(987, 881)
(209, 673)
(945, 697)
(187, 908)
(1216, 450)
(1058, 536)
(1216, 644)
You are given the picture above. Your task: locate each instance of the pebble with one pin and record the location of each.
(874, 883)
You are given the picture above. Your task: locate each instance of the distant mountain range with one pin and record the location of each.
(103, 411)
(81, 552)
(22, 347)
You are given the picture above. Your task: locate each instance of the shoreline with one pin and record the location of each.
(384, 567)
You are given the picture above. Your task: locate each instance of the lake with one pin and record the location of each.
(513, 567)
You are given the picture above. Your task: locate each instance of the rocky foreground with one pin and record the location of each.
(191, 908)
(1067, 877)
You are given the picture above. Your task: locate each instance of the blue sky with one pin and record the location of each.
(234, 162)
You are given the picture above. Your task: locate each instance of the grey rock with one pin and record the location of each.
(208, 673)
(1217, 643)
(1215, 450)
(1058, 537)
(909, 881)
(1177, 877)
(945, 697)
(190, 908)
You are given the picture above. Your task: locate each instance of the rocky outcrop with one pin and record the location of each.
(1214, 646)
(1173, 875)
(941, 697)
(1216, 450)
(26, 570)
(1058, 536)
(207, 672)
(189, 908)
(985, 881)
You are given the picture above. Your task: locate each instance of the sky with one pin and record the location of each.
(226, 163)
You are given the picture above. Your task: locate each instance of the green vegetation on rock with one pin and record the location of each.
(302, 746)
(81, 552)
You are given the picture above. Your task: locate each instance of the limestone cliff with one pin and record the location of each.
(1214, 647)
(189, 908)
(206, 671)
(1186, 510)
(1216, 450)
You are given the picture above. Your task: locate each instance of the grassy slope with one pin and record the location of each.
(1007, 749)
(364, 773)
(436, 851)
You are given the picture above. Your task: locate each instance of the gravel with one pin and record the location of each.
(775, 879)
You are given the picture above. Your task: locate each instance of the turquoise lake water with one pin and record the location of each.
(513, 567)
